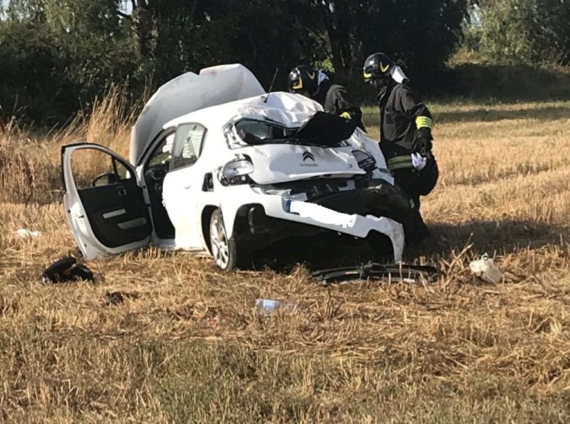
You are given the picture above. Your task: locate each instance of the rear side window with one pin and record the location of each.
(188, 144)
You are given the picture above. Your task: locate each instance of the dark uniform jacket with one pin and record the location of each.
(335, 99)
(403, 119)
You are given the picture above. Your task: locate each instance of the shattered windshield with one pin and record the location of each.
(323, 130)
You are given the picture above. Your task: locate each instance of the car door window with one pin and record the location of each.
(94, 168)
(188, 145)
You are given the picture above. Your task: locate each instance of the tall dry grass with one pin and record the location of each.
(30, 163)
(166, 337)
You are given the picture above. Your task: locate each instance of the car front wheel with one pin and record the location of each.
(225, 249)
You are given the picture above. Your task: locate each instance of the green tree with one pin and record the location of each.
(421, 34)
(172, 36)
(60, 54)
(527, 31)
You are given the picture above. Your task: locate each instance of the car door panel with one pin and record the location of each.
(180, 200)
(110, 217)
(117, 213)
(182, 185)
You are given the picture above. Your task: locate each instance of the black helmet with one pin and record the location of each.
(304, 79)
(377, 66)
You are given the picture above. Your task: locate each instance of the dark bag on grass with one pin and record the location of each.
(66, 270)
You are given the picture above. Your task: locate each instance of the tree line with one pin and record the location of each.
(56, 56)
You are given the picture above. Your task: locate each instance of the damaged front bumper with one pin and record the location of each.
(309, 208)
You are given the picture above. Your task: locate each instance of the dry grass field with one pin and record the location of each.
(165, 337)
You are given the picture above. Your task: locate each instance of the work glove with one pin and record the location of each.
(422, 145)
(418, 161)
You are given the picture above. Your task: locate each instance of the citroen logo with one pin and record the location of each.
(308, 155)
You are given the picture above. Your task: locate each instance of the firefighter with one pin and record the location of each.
(405, 133)
(333, 98)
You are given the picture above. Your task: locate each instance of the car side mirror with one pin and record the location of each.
(105, 179)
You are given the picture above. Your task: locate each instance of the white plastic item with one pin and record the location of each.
(418, 161)
(25, 233)
(486, 270)
(268, 306)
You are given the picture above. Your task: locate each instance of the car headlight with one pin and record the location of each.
(365, 160)
(236, 172)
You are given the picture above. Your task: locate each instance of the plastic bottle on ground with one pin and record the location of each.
(268, 306)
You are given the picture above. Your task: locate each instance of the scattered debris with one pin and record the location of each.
(486, 270)
(116, 298)
(268, 306)
(25, 233)
(66, 270)
(412, 274)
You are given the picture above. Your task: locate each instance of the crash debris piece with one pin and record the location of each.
(25, 233)
(486, 270)
(411, 274)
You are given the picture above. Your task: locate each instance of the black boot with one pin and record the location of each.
(421, 231)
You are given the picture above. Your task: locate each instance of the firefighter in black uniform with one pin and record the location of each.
(333, 98)
(405, 133)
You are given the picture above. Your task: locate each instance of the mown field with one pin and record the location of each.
(167, 338)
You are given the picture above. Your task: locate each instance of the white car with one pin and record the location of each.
(218, 165)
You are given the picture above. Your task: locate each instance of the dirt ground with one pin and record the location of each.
(166, 337)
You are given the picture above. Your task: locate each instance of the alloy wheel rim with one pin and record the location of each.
(220, 245)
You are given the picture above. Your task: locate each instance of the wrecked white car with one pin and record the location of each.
(218, 165)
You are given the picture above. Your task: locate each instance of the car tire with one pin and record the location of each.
(225, 250)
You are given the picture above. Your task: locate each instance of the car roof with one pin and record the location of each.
(288, 109)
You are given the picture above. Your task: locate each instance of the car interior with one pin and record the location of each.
(155, 170)
(162, 160)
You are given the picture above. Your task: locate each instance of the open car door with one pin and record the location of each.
(104, 203)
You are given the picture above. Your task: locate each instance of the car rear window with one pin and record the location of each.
(259, 132)
(323, 130)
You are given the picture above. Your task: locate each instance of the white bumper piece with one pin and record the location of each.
(355, 225)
